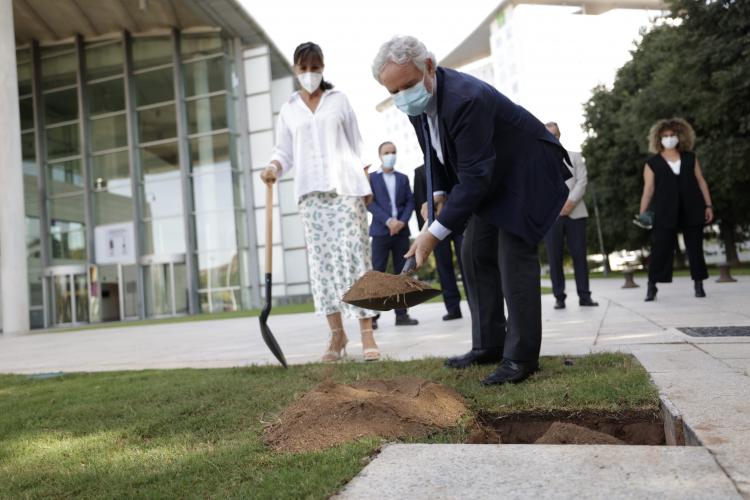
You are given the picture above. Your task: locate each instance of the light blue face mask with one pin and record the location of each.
(389, 160)
(414, 100)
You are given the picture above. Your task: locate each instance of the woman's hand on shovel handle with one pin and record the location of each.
(422, 247)
(270, 173)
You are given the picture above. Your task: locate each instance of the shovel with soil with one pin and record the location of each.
(384, 292)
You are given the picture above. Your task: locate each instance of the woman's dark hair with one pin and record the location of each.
(311, 51)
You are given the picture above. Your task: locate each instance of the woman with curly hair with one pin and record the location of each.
(674, 186)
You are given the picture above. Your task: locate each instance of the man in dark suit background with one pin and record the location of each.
(443, 253)
(504, 174)
(391, 208)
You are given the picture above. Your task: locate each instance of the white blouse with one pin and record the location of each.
(675, 166)
(324, 146)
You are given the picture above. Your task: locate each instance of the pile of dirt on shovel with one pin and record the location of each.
(333, 413)
(377, 284)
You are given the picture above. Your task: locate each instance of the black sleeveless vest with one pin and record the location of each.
(677, 198)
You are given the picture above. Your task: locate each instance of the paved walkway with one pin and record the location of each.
(707, 379)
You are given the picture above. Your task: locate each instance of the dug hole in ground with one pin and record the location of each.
(402, 408)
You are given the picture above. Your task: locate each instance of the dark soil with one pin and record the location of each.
(333, 413)
(628, 427)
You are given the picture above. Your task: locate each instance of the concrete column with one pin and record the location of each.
(14, 280)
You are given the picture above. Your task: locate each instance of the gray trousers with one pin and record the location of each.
(499, 266)
(574, 230)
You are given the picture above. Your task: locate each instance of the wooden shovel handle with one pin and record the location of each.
(269, 228)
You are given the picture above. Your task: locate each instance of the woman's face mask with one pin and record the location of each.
(310, 81)
(669, 141)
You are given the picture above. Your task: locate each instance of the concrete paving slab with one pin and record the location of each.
(714, 400)
(541, 471)
(728, 351)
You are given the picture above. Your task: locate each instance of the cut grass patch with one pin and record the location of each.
(198, 433)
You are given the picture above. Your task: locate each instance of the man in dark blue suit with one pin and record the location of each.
(504, 174)
(391, 208)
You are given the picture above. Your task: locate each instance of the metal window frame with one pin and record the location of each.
(84, 144)
(247, 170)
(40, 149)
(135, 167)
(184, 158)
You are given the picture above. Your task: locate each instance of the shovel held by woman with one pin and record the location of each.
(265, 331)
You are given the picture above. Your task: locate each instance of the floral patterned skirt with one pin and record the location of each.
(338, 249)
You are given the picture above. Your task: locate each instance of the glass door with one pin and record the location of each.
(69, 286)
(62, 300)
(166, 285)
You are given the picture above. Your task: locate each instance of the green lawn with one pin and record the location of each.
(197, 433)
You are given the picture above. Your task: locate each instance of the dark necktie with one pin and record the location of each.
(428, 169)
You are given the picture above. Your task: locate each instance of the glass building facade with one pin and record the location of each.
(136, 202)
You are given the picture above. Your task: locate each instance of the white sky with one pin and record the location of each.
(350, 33)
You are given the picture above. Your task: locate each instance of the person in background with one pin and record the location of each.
(674, 186)
(443, 252)
(504, 175)
(391, 208)
(317, 134)
(571, 225)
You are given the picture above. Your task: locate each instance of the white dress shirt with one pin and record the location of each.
(438, 230)
(324, 146)
(390, 184)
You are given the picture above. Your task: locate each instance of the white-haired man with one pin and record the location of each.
(505, 175)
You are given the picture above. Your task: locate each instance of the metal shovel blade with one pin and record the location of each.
(265, 331)
(400, 301)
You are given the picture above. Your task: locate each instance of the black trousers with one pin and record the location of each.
(663, 241)
(385, 246)
(499, 266)
(447, 273)
(574, 230)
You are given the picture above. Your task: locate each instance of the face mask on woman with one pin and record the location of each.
(310, 81)
(414, 100)
(669, 142)
(389, 160)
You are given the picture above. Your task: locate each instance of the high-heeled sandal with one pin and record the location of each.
(370, 353)
(336, 346)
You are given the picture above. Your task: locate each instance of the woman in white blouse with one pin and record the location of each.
(317, 134)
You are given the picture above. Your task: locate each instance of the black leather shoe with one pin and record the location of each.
(559, 304)
(511, 372)
(587, 302)
(475, 357)
(453, 315)
(699, 291)
(651, 292)
(406, 320)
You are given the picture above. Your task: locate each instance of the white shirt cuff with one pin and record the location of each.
(438, 193)
(439, 231)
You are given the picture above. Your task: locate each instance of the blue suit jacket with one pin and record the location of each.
(501, 163)
(381, 204)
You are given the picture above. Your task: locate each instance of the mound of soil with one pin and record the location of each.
(565, 433)
(333, 413)
(375, 284)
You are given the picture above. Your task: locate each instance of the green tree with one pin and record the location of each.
(695, 64)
